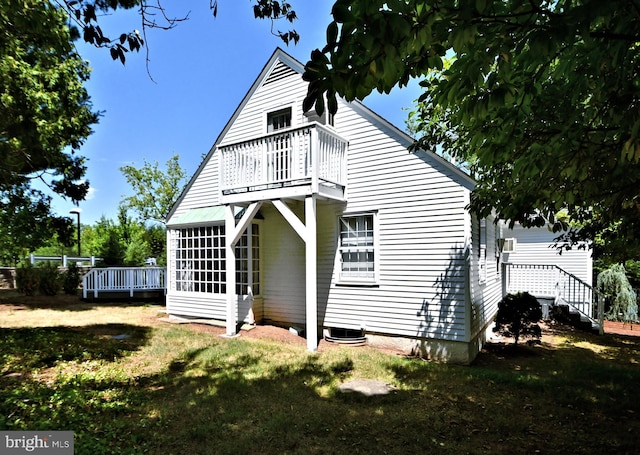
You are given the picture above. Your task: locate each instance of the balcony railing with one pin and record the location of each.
(313, 156)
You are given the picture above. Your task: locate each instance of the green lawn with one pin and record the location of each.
(165, 388)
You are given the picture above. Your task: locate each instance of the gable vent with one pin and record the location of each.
(279, 72)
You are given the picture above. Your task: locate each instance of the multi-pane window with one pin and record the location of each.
(278, 120)
(357, 248)
(248, 262)
(199, 261)
(199, 264)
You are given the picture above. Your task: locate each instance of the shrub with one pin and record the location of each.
(613, 286)
(27, 279)
(71, 279)
(518, 316)
(50, 280)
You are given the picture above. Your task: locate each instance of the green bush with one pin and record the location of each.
(619, 298)
(50, 279)
(71, 279)
(27, 279)
(518, 316)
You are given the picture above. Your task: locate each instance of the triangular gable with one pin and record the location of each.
(281, 65)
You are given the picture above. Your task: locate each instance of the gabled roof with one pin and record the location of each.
(281, 65)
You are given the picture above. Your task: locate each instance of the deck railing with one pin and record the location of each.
(549, 281)
(124, 279)
(312, 155)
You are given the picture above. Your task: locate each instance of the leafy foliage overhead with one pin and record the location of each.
(45, 113)
(154, 15)
(45, 117)
(542, 94)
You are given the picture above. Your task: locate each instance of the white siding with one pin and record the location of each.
(424, 232)
(284, 268)
(420, 206)
(535, 246)
(203, 190)
(485, 294)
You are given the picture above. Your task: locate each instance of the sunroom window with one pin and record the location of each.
(357, 248)
(199, 264)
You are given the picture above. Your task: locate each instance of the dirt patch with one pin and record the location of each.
(622, 328)
(11, 300)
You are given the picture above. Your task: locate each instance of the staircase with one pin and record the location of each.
(571, 297)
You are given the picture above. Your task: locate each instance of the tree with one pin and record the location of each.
(154, 191)
(45, 117)
(544, 93)
(153, 14)
(26, 222)
(619, 298)
(518, 316)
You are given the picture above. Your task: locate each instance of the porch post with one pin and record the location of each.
(230, 267)
(311, 273)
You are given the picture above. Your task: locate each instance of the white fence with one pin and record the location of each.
(124, 279)
(64, 259)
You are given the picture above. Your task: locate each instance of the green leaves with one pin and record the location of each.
(541, 98)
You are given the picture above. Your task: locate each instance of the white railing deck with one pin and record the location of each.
(311, 155)
(542, 280)
(124, 279)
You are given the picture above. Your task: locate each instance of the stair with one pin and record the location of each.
(568, 312)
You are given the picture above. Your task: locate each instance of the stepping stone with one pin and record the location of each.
(367, 387)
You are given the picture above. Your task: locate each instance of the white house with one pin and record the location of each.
(330, 225)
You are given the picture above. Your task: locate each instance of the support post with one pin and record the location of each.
(311, 250)
(230, 255)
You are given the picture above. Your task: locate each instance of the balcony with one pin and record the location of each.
(292, 163)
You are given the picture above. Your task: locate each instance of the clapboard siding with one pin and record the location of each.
(203, 191)
(535, 246)
(207, 306)
(485, 295)
(421, 210)
(284, 268)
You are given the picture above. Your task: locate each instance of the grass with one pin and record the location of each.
(164, 388)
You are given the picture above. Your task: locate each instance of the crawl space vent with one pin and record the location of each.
(349, 337)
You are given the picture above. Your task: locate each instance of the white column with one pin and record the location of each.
(311, 273)
(232, 300)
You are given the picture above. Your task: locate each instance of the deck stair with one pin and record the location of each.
(571, 297)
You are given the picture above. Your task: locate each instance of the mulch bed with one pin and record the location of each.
(622, 328)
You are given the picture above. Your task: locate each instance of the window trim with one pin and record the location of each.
(482, 251)
(189, 285)
(359, 281)
(274, 112)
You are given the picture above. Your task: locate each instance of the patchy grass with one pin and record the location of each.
(126, 383)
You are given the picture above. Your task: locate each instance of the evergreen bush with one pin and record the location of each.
(50, 279)
(518, 316)
(620, 302)
(27, 279)
(71, 279)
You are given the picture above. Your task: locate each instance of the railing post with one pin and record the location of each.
(314, 148)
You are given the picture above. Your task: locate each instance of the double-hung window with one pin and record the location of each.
(357, 248)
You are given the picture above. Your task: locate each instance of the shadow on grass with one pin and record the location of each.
(236, 396)
(27, 349)
(11, 300)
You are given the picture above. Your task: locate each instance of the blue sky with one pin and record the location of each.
(202, 69)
